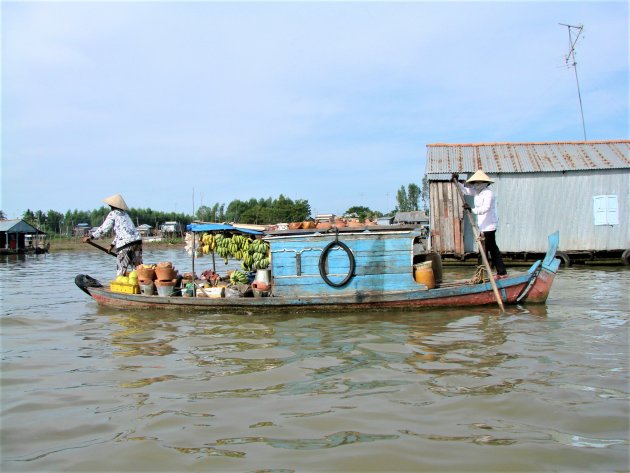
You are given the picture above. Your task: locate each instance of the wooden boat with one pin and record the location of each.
(354, 269)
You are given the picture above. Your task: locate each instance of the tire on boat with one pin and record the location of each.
(564, 258)
(625, 257)
(324, 258)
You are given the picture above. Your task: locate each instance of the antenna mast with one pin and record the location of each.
(571, 56)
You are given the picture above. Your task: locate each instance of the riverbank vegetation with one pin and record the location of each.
(253, 211)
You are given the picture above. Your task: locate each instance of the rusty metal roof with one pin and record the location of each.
(528, 157)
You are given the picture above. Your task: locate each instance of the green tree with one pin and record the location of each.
(29, 216)
(413, 196)
(408, 198)
(205, 214)
(401, 198)
(360, 212)
(54, 221)
(425, 194)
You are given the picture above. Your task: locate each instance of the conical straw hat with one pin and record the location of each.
(117, 201)
(479, 176)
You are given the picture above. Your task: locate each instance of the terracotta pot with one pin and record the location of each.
(308, 224)
(295, 225)
(260, 286)
(165, 274)
(323, 225)
(146, 274)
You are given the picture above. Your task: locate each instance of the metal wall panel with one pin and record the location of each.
(534, 205)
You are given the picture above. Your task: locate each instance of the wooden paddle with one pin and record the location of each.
(102, 248)
(482, 250)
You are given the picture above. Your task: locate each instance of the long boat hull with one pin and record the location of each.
(532, 286)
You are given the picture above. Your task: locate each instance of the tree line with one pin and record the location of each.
(253, 211)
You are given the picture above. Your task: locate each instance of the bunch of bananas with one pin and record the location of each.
(239, 277)
(253, 254)
(259, 255)
(234, 246)
(208, 243)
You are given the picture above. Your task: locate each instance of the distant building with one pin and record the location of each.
(81, 229)
(414, 217)
(18, 236)
(145, 230)
(171, 229)
(578, 188)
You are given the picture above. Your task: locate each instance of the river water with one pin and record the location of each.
(541, 388)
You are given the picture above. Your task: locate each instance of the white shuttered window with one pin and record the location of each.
(605, 210)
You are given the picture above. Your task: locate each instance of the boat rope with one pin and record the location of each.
(480, 276)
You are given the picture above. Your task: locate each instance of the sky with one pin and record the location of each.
(180, 104)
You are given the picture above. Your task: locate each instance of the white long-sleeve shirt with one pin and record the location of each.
(124, 229)
(485, 207)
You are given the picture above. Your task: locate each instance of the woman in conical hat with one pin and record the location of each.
(116, 201)
(127, 241)
(486, 210)
(479, 176)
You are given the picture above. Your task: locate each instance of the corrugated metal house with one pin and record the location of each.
(581, 189)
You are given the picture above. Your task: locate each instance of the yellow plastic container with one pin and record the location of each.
(423, 274)
(124, 287)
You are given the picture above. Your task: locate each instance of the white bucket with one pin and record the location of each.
(263, 275)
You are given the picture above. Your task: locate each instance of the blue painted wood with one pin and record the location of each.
(383, 263)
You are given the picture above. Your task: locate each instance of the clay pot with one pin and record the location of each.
(295, 225)
(145, 274)
(307, 224)
(165, 273)
(260, 286)
(323, 225)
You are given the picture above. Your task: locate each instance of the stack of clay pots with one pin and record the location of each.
(146, 276)
(165, 278)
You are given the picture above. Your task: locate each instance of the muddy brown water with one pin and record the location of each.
(541, 388)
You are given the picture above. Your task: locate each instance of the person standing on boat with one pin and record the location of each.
(478, 185)
(127, 241)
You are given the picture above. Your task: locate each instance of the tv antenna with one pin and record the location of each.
(577, 30)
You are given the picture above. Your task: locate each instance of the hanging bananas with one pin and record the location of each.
(208, 243)
(253, 254)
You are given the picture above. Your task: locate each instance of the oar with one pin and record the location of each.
(482, 250)
(102, 248)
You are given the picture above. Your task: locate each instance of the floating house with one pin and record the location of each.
(19, 237)
(145, 230)
(171, 229)
(81, 229)
(579, 188)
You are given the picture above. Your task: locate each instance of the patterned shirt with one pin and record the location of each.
(124, 229)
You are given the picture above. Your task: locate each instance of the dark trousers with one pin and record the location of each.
(491, 247)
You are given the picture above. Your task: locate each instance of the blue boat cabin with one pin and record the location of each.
(383, 261)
